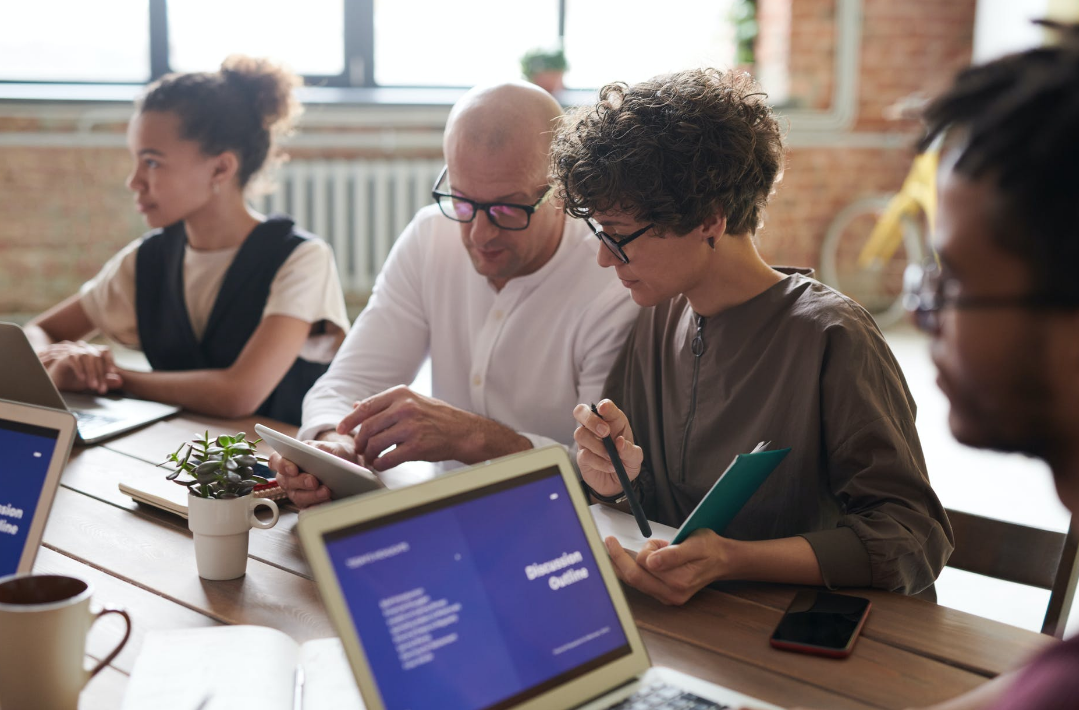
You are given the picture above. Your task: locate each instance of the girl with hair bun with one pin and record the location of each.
(237, 313)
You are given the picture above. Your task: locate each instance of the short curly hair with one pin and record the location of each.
(673, 150)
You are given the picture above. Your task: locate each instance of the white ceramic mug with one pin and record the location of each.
(44, 620)
(221, 530)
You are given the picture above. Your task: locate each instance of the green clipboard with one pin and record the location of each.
(731, 491)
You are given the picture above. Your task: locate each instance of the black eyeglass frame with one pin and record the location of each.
(486, 207)
(615, 245)
(924, 297)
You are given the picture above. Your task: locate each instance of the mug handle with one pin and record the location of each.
(119, 647)
(255, 522)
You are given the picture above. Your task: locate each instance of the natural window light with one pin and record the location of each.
(309, 37)
(35, 45)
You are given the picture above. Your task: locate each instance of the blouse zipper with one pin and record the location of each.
(697, 347)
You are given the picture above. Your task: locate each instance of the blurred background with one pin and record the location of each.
(845, 75)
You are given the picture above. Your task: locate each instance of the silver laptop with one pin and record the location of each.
(34, 446)
(24, 379)
(487, 588)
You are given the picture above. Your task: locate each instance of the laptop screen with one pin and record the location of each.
(482, 600)
(25, 454)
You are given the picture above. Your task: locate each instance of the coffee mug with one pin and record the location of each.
(44, 620)
(221, 528)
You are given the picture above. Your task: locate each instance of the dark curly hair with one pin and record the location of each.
(1015, 121)
(673, 150)
(246, 107)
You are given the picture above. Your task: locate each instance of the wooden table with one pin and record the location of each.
(911, 653)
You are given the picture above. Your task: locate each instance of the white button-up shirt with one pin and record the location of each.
(523, 356)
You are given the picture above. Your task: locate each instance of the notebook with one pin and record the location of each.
(488, 587)
(24, 379)
(724, 499)
(34, 445)
(732, 490)
(286, 676)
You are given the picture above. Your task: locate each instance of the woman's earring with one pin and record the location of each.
(712, 243)
(216, 188)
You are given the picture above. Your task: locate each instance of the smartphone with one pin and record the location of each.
(821, 623)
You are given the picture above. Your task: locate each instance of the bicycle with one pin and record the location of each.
(871, 241)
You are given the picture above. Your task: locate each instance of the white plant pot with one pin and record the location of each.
(221, 529)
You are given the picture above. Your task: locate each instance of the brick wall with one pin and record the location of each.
(906, 47)
(65, 210)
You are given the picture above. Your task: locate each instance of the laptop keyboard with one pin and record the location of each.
(662, 696)
(91, 420)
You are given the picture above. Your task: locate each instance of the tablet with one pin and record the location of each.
(343, 478)
(34, 445)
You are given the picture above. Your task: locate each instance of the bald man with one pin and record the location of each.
(498, 286)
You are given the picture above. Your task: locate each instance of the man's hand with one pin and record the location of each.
(424, 429)
(674, 573)
(79, 366)
(596, 467)
(304, 489)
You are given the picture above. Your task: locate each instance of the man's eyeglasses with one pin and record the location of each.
(504, 215)
(615, 245)
(926, 292)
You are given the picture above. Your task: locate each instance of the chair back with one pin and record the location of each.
(1021, 554)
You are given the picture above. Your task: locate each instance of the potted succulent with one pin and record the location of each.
(220, 477)
(545, 68)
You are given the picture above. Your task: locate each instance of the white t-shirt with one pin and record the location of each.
(523, 356)
(306, 287)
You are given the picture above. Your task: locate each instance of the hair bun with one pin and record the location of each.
(267, 87)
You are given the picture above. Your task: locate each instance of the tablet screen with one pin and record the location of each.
(26, 452)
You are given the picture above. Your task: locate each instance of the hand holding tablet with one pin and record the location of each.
(342, 477)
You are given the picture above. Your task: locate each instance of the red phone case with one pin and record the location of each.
(821, 650)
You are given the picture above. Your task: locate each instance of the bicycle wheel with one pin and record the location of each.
(879, 286)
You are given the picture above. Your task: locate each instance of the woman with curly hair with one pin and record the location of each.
(673, 175)
(237, 313)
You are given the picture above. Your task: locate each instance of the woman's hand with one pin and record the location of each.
(596, 467)
(79, 366)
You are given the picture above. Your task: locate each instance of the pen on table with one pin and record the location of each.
(623, 478)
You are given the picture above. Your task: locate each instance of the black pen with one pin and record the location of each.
(623, 478)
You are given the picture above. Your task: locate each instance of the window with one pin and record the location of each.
(418, 43)
(457, 43)
(609, 40)
(308, 37)
(35, 46)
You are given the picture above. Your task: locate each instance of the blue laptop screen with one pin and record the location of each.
(478, 601)
(25, 454)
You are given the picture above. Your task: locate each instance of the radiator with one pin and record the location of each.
(359, 206)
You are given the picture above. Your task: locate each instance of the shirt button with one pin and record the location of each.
(477, 380)
(498, 315)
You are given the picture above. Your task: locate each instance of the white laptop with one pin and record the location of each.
(34, 445)
(24, 379)
(487, 588)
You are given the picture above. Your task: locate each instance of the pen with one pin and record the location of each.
(623, 478)
(297, 696)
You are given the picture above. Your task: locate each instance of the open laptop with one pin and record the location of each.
(487, 588)
(24, 379)
(34, 445)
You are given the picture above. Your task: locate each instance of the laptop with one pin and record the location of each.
(23, 378)
(487, 588)
(34, 445)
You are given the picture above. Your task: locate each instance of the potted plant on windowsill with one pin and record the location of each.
(221, 510)
(545, 68)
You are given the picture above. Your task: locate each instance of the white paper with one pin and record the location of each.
(328, 680)
(234, 667)
(622, 526)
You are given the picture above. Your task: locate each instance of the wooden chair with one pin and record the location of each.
(1021, 554)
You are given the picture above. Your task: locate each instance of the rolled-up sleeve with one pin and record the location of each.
(876, 471)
